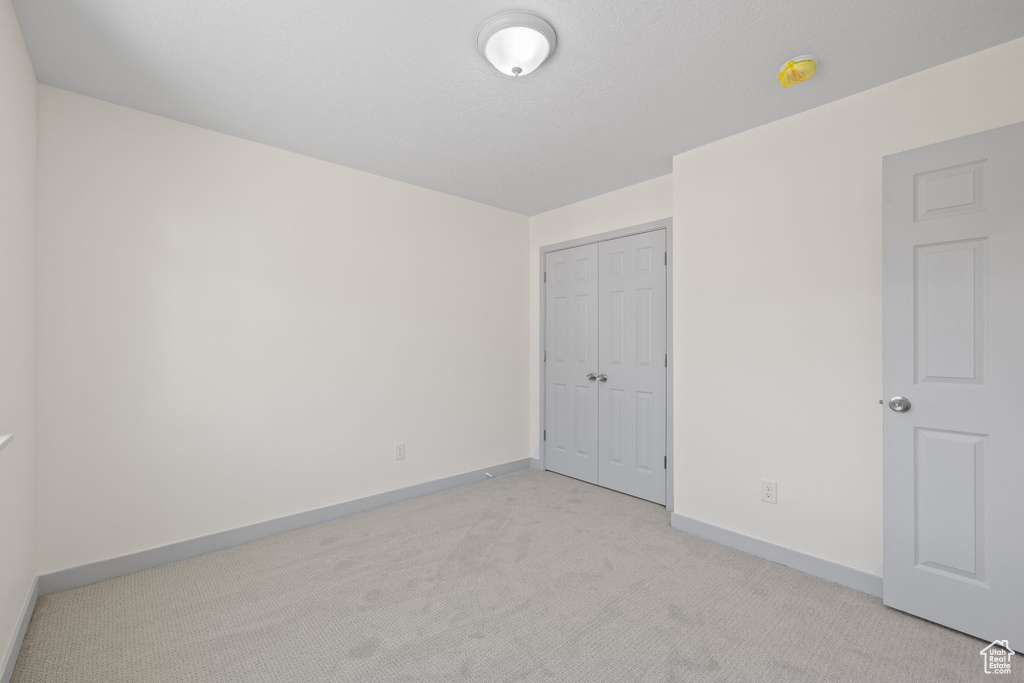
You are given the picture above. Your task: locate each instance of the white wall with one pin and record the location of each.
(231, 333)
(633, 205)
(17, 323)
(778, 295)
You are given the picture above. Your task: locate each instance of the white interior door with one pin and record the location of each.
(570, 347)
(954, 348)
(633, 360)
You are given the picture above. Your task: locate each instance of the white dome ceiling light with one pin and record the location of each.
(516, 43)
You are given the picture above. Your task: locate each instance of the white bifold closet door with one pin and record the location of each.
(632, 356)
(605, 368)
(570, 350)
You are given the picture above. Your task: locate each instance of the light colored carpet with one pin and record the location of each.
(534, 577)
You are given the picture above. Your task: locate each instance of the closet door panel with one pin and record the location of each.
(571, 354)
(632, 351)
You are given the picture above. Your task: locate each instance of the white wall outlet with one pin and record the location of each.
(400, 451)
(769, 492)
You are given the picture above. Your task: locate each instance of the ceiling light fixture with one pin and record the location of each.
(516, 43)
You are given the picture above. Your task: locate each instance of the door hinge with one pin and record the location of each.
(666, 462)
(545, 435)
(545, 355)
(666, 258)
(666, 360)
(545, 276)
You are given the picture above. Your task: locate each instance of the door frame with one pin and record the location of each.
(663, 224)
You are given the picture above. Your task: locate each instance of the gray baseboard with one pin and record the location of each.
(86, 574)
(815, 566)
(14, 647)
(535, 464)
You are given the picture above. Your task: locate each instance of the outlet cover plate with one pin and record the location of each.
(769, 491)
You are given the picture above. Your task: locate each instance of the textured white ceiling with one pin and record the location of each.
(397, 87)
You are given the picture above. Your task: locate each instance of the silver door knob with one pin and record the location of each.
(591, 376)
(899, 404)
(602, 377)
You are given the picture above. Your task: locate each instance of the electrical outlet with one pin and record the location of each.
(769, 492)
(400, 451)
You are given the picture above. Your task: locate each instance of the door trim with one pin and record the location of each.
(663, 224)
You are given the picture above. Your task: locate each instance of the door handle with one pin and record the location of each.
(591, 376)
(602, 377)
(899, 404)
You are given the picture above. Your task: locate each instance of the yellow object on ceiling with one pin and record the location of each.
(796, 70)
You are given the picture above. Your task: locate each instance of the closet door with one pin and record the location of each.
(570, 398)
(632, 358)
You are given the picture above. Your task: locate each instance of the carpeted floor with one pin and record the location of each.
(534, 577)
